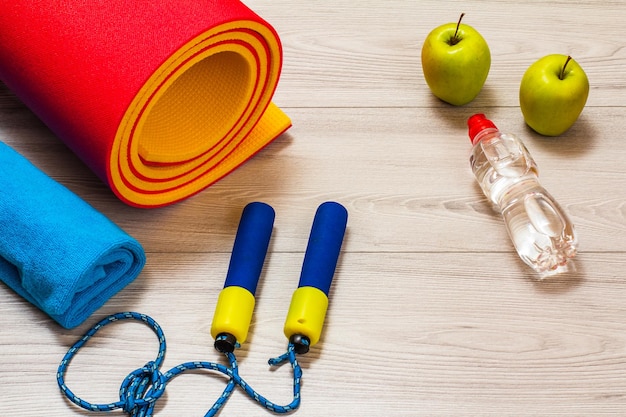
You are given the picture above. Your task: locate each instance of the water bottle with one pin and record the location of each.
(541, 231)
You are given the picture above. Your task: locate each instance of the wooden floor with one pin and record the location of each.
(431, 311)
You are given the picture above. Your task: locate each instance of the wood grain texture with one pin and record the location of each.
(431, 313)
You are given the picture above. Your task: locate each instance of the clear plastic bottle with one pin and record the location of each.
(541, 231)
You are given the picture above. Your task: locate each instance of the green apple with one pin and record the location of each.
(455, 61)
(553, 93)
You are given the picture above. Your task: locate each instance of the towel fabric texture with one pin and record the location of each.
(56, 250)
(160, 98)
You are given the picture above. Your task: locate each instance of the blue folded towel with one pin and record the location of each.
(56, 250)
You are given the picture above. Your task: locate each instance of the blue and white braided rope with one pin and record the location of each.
(141, 389)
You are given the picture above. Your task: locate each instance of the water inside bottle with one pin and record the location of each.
(543, 236)
(498, 163)
(540, 230)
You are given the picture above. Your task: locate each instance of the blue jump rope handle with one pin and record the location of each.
(322, 252)
(250, 247)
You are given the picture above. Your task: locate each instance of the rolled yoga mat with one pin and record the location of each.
(160, 98)
(56, 250)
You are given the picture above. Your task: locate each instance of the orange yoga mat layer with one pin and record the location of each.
(160, 98)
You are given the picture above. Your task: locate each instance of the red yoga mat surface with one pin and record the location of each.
(160, 98)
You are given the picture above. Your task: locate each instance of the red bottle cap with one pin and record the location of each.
(477, 123)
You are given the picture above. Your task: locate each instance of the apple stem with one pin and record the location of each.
(455, 39)
(562, 74)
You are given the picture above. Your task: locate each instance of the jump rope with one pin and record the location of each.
(141, 389)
